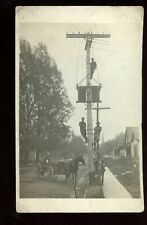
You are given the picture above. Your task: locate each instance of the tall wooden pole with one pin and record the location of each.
(89, 37)
(97, 120)
(89, 111)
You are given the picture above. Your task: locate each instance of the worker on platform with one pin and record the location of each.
(93, 66)
(82, 125)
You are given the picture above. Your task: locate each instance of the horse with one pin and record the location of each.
(71, 168)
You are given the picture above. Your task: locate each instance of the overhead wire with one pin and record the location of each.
(92, 29)
(107, 44)
(119, 50)
(95, 43)
(116, 49)
(106, 50)
(114, 43)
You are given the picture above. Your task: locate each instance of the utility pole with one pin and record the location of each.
(89, 111)
(89, 37)
(97, 121)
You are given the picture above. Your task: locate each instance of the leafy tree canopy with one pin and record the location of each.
(44, 104)
(76, 146)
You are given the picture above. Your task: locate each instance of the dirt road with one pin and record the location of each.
(33, 187)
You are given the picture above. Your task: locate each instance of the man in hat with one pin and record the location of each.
(92, 67)
(82, 125)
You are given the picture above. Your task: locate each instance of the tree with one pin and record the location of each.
(109, 145)
(76, 146)
(44, 105)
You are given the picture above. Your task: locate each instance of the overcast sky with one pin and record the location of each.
(118, 60)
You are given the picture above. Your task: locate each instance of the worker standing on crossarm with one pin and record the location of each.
(82, 125)
(93, 66)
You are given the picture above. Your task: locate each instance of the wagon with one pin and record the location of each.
(67, 167)
(52, 168)
(58, 166)
(44, 169)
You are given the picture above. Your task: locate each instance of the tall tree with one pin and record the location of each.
(44, 105)
(76, 146)
(108, 146)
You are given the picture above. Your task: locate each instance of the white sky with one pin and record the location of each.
(118, 58)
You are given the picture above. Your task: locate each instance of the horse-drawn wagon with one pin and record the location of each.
(65, 167)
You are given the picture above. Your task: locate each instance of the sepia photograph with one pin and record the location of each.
(79, 109)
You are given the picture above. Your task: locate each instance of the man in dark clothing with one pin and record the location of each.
(82, 125)
(97, 131)
(102, 171)
(92, 67)
(96, 164)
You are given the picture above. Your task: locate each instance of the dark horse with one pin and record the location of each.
(71, 168)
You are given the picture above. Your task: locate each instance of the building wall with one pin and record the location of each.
(134, 149)
(123, 153)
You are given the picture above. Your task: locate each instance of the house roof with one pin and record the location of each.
(132, 133)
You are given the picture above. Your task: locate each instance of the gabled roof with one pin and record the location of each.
(132, 133)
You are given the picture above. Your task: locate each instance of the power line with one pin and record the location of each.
(110, 51)
(108, 45)
(120, 49)
(114, 43)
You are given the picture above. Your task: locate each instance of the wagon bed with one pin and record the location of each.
(59, 166)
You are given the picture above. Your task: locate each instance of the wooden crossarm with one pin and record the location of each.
(87, 35)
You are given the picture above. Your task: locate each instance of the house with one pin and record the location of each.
(130, 148)
(132, 142)
(119, 152)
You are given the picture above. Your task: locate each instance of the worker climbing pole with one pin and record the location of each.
(89, 94)
(97, 131)
(93, 67)
(82, 125)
